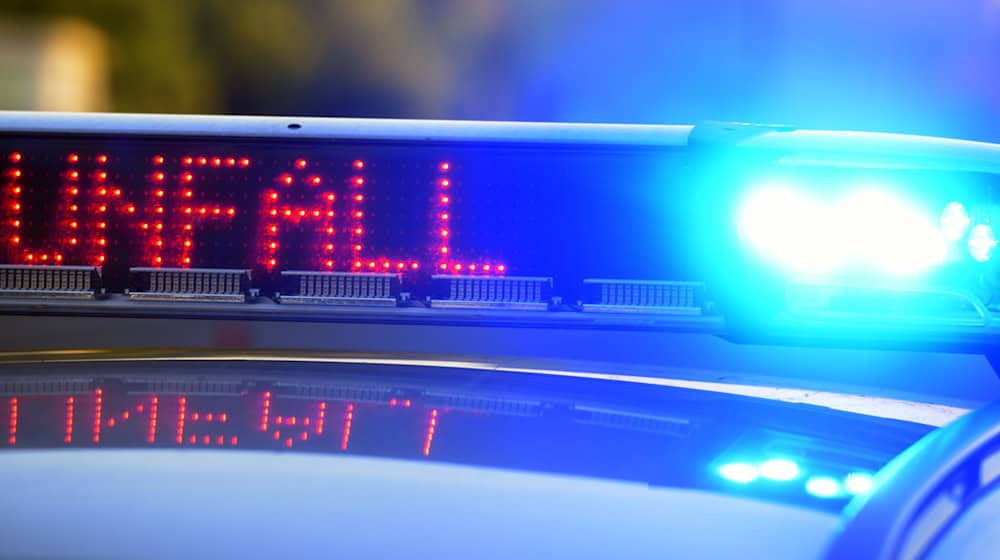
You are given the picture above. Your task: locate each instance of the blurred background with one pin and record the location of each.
(917, 66)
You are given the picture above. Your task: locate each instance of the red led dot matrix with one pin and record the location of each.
(356, 211)
(168, 197)
(441, 215)
(179, 213)
(282, 215)
(80, 200)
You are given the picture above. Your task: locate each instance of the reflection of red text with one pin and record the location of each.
(146, 412)
(345, 437)
(292, 429)
(202, 426)
(250, 419)
(431, 428)
(12, 414)
(68, 431)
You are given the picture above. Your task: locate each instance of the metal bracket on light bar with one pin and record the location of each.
(491, 292)
(190, 284)
(644, 296)
(75, 282)
(340, 288)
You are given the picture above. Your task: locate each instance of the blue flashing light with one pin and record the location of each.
(823, 487)
(858, 483)
(869, 226)
(955, 221)
(786, 227)
(740, 473)
(779, 469)
(886, 231)
(982, 242)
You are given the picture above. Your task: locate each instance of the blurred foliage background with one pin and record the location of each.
(381, 57)
(920, 66)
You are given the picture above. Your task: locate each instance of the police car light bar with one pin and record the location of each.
(763, 228)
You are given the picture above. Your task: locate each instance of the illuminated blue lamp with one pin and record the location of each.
(779, 469)
(982, 242)
(786, 227)
(869, 226)
(740, 473)
(859, 483)
(955, 221)
(823, 487)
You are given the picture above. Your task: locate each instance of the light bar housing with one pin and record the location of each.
(644, 296)
(340, 288)
(510, 292)
(192, 285)
(468, 215)
(74, 282)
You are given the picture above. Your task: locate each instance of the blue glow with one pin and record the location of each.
(982, 242)
(955, 221)
(870, 226)
(787, 227)
(823, 487)
(889, 233)
(858, 483)
(741, 473)
(779, 469)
